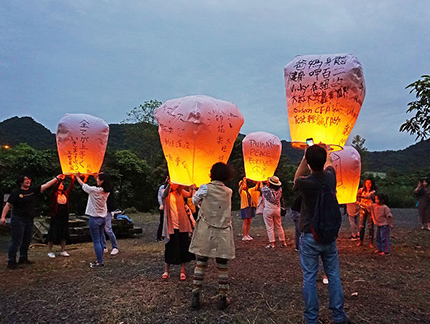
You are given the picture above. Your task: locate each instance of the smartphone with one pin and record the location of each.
(309, 141)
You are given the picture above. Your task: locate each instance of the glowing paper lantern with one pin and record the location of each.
(81, 143)
(261, 153)
(324, 98)
(195, 133)
(348, 169)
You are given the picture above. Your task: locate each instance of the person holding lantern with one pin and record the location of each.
(310, 251)
(213, 235)
(177, 227)
(22, 201)
(97, 210)
(248, 203)
(423, 193)
(365, 197)
(272, 195)
(59, 224)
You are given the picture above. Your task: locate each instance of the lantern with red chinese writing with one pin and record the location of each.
(347, 164)
(261, 153)
(195, 133)
(324, 98)
(81, 143)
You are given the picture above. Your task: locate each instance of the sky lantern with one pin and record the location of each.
(324, 98)
(348, 170)
(195, 133)
(261, 153)
(81, 143)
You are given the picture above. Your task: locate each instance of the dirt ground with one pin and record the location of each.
(265, 285)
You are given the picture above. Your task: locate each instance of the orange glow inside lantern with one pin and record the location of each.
(347, 164)
(195, 133)
(261, 153)
(81, 143)
(324, 97)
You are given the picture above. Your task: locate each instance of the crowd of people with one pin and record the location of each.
(196, 223)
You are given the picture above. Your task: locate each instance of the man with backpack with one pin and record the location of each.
(319, 224)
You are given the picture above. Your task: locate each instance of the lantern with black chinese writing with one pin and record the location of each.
(261, 153)
(347, 164)
(324, 97)
(195, 133)
(81, 143)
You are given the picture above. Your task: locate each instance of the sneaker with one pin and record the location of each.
(325, 280)
(245, 238)
(105, 250)
(223, 302)
(95, 264)
(249, 238)
(296, 249)
(195, 302)
(114, 251)
(25, 261)
(51, 254)
(384, 253)
(64, 254)
(270, 246)
(360, 243)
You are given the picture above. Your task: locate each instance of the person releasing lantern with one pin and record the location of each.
(81, 143)
(324, 97)
(196, 132)
(261, 154)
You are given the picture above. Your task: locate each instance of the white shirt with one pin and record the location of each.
(96, 205)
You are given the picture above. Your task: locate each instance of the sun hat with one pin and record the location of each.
(274, 180)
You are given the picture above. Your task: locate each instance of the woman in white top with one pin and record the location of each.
(97, 210)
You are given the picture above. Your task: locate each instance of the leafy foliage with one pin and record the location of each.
(358, 144)
(420, 123)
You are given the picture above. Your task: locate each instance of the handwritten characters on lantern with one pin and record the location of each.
(196, 132)
(261, 153)
(81, 143)
(324, 92)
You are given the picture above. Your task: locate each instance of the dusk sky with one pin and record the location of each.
(105, 57)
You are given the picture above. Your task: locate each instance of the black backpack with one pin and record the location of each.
(327, 218)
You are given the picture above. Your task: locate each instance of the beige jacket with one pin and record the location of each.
(213, 234)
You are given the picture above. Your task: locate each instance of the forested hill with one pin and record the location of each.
(26, 130)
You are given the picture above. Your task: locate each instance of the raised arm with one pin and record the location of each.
(51, 182)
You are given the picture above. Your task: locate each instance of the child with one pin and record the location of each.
(383, 219)
(353, 210)
(213, 234)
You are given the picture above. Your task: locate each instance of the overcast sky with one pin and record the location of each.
(105, 57)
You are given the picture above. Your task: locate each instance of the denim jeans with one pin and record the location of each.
(295, 215)
(109, 232)
(21, 231)
(383, 238)
(97, 231)
(309, 253)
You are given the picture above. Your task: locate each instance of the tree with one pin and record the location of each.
(144, 113)
(358, 144)
(420, 123)
(142, 135)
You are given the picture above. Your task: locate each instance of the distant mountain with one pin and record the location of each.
(16, 130)
(412, 158)
(26, 130)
